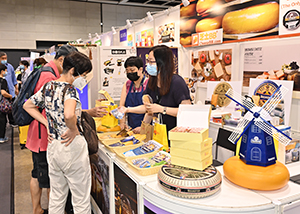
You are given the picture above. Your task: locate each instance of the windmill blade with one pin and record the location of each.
(274, 100)
(241, 128)
(272, 131)
(241, 100)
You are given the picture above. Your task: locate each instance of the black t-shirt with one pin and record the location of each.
(178, 92)
(3, 83)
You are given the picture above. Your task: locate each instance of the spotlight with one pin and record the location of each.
(150, 17)
(185, 2)
(113, 30)
(128, 23)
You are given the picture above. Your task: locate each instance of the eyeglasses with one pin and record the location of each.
(151, 62)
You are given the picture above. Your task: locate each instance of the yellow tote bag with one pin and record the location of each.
(160, 134)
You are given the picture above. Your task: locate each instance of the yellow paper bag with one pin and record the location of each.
(108, 120)
(160, 135)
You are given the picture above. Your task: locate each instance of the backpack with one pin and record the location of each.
(21, 117)
(88, 129)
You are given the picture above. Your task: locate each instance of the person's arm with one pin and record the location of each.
(98, 111)
(122, 103)
(16, 89)
(71, 121)
(5, 94)
(35, 113)
(137, 110)
(156, 108)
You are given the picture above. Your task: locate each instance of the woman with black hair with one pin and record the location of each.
(4, 93)
(132, 92)
(67, 152)
(167, 90)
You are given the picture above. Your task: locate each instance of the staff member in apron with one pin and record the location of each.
(132, 92)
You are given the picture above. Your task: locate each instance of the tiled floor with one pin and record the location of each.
(22, 170)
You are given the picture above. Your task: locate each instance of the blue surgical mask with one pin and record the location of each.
(3, 62)
(22, 67)
(5, 74)
(151, 70)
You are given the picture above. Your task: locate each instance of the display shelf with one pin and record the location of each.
(231, 198)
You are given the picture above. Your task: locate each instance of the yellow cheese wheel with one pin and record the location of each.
(203, 5)
(257, 18)
(271, 177)
(209, 24)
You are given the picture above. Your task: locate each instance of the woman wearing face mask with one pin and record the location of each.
(166, 89)
(132, 92)
(67, 151)
(4, 93)
(25, 71)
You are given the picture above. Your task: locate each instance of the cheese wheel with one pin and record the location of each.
(271, 177)
(203, 5)
(257, 18)
(209, 24)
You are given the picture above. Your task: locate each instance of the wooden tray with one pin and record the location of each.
(143, 171)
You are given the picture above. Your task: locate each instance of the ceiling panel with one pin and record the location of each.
(141, 3)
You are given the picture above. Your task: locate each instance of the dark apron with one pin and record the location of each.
(132, 100)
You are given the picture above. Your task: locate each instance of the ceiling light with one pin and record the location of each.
(113, 30)
(149, 16)
(128, 23)
(185, 2)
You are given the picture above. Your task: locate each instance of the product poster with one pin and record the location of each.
(100, 181)
(273, 62)
(145, 38)
(289, 18)
(112, 69)
(211, 65)
(265, 88)
(125, 192)
(130, 40)
(166, 33)
(144, 52)
(239, 19)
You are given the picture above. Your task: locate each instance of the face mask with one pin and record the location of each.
(5, 74)
(80, 82)
(151, 69)
(133, 76)
(22, 67)
(3, 62)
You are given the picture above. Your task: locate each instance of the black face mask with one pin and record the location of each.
(133, 76)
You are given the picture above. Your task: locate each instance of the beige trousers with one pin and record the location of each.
(69, 168)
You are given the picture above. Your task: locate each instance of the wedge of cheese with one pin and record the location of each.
(218, 70)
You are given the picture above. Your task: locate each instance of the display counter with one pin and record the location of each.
(230, 199)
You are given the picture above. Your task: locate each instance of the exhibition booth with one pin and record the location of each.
(242, 59)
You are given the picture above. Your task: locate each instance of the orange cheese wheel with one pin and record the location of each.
(271, 177)
(256, 18)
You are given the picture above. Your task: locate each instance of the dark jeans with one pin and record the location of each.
(3, 121)
(10, 117)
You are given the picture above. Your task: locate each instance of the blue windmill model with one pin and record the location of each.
(255, 130)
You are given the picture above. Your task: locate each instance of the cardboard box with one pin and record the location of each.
(192, 145)
(193, 116)
(198, 165)
(289, 153)
(191, 155)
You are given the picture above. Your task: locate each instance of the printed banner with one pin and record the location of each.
(145, 38)
(239, 19)
(289, 17)
(207, 38)
(166, 33)
(123, 35)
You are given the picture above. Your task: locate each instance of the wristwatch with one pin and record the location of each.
(165, 110)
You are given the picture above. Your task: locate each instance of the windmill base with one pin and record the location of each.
(270, 177)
